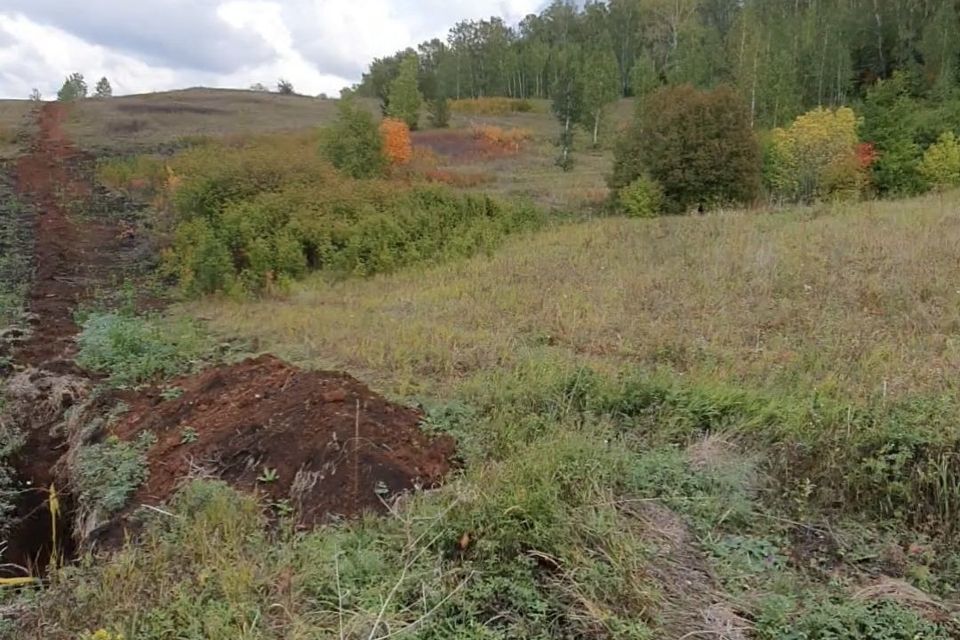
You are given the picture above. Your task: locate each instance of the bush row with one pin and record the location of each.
(257, 216)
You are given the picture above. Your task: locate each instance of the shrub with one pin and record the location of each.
(438, 111)
(503, 139)
(397, 145)
(642, 198)
(816, 157)
(941, 162)
(259, 216)
(353, 144)
(698, 145)
(137, 173)
(284, 87)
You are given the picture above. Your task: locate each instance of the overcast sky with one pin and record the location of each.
(153, 45)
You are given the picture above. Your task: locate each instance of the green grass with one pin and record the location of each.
(14, 118)
(107, 473)
(134, 350)
(15, 237)
(669, 428)
(856, 302)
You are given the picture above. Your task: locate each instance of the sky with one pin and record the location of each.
(321, 46)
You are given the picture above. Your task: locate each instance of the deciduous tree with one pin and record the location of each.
(353, 143)
(103, 88)
(74, 88)
(405, 99)
(698, 145)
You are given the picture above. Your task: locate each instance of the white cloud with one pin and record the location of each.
(150, 45)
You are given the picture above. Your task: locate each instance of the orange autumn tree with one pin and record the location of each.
(396, 141)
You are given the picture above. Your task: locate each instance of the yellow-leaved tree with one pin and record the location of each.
(816, 157)
(941, 162)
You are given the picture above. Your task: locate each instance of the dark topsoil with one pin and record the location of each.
(320, 440)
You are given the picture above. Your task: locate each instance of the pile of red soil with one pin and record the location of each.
(322, 441)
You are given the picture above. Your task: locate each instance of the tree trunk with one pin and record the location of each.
(880, 57)
(596, 127)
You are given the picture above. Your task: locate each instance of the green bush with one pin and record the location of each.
(353, 143)
(134, 350)
(642, 198)
(898, 123)
(851, 620)
(698, 145)
(257, 217)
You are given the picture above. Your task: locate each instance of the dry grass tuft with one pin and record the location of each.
(910, 597)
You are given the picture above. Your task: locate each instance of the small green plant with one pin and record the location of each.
(268, 475)
(642, 198)
(106, 474)
(171, 393)
(282, 508)
(188, 435)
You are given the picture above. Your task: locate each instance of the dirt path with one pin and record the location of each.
(71, 254)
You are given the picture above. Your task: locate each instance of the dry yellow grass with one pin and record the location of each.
(854, 301)
(157, 118)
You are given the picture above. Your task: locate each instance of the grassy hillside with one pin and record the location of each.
(129, 122)
(14, 118)
(737, 425)
(854, 301)
(740, 425)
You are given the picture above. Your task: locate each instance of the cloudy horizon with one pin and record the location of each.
(321, 46)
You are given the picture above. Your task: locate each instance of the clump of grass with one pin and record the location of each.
(133, 174)
(502, 138)
(133, 350)
(106, 474)
(15, 231)
(11, 441)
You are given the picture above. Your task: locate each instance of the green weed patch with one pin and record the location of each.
(133, 350)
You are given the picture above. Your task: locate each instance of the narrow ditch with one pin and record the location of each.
(68, 255)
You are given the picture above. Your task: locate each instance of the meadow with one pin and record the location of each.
(733, 425)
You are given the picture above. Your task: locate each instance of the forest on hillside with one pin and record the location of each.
(784, 56)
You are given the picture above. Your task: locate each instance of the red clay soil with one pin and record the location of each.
(335, 447)
(68, 256)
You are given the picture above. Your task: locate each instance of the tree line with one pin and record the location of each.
(783, 57)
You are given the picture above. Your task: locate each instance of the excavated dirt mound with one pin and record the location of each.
(321, 441)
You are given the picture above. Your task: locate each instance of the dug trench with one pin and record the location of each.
(320, 445)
